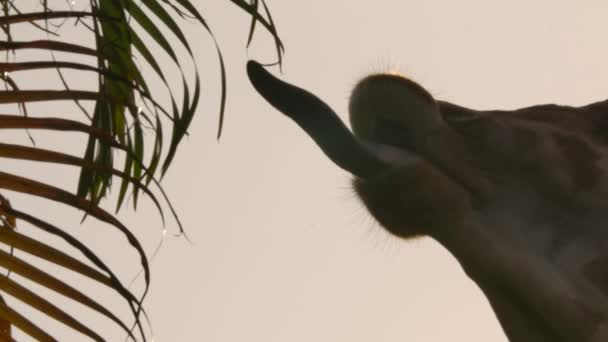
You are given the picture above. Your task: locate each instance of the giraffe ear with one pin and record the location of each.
(318, 120)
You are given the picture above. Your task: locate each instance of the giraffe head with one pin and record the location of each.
(396, 126)
(487, 186)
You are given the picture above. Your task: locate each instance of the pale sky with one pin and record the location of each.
(282, 250)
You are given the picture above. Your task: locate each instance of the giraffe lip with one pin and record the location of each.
(389, 154)
(320, 122)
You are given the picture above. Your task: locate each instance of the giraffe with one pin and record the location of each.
(519, 197)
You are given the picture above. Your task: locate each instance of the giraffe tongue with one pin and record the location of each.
(322, 124)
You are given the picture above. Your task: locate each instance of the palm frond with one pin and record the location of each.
(120, 112)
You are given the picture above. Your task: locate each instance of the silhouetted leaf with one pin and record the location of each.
(126, 112)
(48, 45)
(23, 323)
(26, 270)
(15, 289)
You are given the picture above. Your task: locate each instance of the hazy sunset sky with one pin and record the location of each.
(282, 250)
